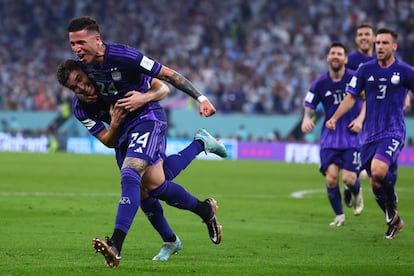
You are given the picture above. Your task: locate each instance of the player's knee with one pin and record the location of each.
(378, 174)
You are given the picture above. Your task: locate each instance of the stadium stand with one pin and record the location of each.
(250, 57)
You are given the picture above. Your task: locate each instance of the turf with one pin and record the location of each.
(52, 205)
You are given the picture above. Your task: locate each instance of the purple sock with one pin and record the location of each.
(356, 187)
(174, 195)
(130, 199)
(155, 214)
(388, 184)
(334, 196)
(380, 197)
(175, 163)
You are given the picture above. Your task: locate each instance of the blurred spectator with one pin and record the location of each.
(247, 56)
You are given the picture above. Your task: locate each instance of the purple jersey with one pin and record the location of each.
(124, 69)
(91, 115)
(385, 92)
(330, 94)
(143, 133)
(356, 59)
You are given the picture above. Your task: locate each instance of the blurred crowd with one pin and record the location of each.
(248, 56)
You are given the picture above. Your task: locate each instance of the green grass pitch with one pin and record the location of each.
(52, 205)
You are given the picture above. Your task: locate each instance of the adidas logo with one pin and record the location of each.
(371, 78)
(328, 93)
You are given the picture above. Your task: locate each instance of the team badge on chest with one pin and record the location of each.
(395, 79)
(115, 74)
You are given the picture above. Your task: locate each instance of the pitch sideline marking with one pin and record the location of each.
(303, 193)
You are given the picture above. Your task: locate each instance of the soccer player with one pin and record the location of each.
(340, 149)
(92, 113)
(117, 69)
(386, 81)
(364, 40)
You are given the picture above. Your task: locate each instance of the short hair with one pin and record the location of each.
(388, 31)
(64, 69)
(338, 44)
(83, 23)
(365, 25)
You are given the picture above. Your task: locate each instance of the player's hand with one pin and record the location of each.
(132, 101)
(330, 124)
(206, 108)
(118, 114)
(307, 125)
(355, 126)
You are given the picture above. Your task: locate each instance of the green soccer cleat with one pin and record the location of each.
(168, 249)
(211, 144)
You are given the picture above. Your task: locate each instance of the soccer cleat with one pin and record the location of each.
(358, 203)
(347, 196)
(168, 249)
(107, 249)
(338, 221)
(393, 229)
(211, 144)
(213, 226)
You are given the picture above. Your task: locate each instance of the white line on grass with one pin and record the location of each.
(303, 193)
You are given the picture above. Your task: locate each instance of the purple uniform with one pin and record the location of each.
(341, 146)
(125, 69)
(330, 94)
(385, 92)
(91, 115)
(356, 59)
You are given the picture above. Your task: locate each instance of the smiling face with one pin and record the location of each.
(87, 45)
(365, 40)
(336, 58)
(80, 84)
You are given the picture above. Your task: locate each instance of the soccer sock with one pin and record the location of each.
(388, 184)
(118, 238)
(129, 202)
(175, 163)
(154, 212)
(175, 195)
(356, 187)
(380, 197)
(334, 196)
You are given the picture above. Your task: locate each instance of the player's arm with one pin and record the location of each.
(343, 108)
(134, 99)
(169, 75)
(407, 102)
(109, 137)
(356, 124)
(308, 122)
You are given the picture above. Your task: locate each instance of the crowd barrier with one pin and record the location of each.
(261, 151)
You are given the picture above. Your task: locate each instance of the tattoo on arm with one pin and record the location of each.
(180, 82)
(309, 113)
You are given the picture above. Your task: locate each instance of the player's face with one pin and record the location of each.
(365, 39)
(385, 47)
(80, 84)
(85, 45)
(336, 58)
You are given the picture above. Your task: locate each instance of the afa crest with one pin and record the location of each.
(115, 74)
